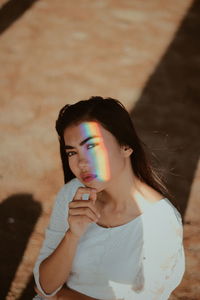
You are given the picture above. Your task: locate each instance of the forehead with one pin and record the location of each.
(77, 132)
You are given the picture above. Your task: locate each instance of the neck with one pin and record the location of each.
(122, 191)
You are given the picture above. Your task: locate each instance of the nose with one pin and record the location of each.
(83, 162)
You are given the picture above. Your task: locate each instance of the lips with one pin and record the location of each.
(88, 177)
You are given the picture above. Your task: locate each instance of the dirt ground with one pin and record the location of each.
(144, 53)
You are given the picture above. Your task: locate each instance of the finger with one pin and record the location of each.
(80, 191)
(84, 211)
(93, 195)
(85, 218)
(82, 218)
(84, 203)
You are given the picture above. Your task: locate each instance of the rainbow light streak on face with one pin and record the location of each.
(99, 155)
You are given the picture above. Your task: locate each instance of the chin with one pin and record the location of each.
(98, 185)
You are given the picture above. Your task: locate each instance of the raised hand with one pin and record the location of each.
(82, 212)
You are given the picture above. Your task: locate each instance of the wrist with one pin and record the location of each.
(72, 236)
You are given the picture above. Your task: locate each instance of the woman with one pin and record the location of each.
(113, 233)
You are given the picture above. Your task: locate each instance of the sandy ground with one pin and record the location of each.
(144, 53)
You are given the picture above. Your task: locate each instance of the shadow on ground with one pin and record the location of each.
(13, 10)
(18, 216)
(167, 114)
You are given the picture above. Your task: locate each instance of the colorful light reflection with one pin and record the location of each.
(99, 155)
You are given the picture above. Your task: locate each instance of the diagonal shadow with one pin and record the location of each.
(13, 10)
(167, 115)
(18, 216)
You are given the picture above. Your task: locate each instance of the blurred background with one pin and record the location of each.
(144, 53)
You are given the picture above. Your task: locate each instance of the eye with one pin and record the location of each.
(70, 153)
(89, 146)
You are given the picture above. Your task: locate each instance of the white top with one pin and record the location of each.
(140, 260)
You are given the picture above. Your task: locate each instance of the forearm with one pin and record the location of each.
(55, 269)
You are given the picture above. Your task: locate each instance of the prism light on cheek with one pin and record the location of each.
(99, 155)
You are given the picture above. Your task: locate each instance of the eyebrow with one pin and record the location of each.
(82, 143)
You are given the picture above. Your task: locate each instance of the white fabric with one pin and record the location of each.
(140, 260)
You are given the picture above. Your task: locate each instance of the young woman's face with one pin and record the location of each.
(94, 154)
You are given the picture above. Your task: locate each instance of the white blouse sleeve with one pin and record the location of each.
(55, 231)
(164, 261)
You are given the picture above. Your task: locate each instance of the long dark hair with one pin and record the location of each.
(114, 117)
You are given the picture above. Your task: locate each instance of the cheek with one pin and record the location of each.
(116, 161)
(106, 165)
(72, 163)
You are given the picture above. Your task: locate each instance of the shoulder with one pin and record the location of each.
(164, 222)
(169, 214)
(164, 210)
(151, 195)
